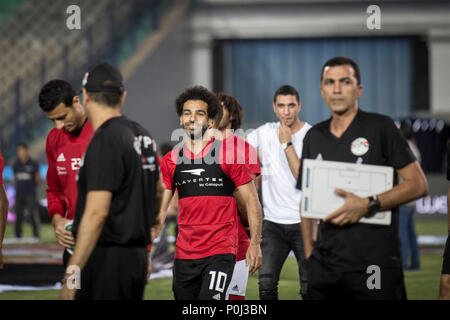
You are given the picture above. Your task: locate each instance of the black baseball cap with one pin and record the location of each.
(103, 78)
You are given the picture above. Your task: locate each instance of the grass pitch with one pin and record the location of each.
(420, 285)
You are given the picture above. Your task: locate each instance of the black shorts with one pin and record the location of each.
(114, 273)
(446, 262)
(203, 279)
(325, 283)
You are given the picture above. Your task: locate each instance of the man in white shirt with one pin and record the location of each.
(279, 147)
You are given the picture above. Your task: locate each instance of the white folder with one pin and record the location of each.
(320, 178)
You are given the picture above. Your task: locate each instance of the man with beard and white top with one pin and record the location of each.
(279, 145)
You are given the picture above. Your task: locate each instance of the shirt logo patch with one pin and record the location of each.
(195, 172)
(61, 158)
(61, 170)
(359, 146)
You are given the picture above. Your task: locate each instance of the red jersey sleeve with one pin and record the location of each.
(234, 167)
(168, 164)
(55, 196)
(251, 156)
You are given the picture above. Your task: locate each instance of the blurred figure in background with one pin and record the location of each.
(407, 232)
(27, 178)
(4, 204)
(444, 290)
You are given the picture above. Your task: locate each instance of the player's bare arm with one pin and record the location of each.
(173, 205)
(91, 225)
(242, 205)
(254, 255)
(413, 186)
(159, 220)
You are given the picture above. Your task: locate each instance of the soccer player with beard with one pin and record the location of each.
(207, 242)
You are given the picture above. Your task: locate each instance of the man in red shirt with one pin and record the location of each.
(66, 144)
(207, 242)
(244, 153)
(4, 205)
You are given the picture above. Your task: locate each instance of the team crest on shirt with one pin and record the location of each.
(359, 146)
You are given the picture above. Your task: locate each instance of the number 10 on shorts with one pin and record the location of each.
(221, 281)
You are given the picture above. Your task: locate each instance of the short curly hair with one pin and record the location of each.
(234, 109)
(55, 92)
(203, 94)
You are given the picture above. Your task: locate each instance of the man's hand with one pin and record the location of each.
(284, 133)
(253, 257)
(64, 237)
(351, 211)
(156, 230)
(66, 293)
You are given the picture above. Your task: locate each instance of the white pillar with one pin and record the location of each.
(439, 59)
(202, 60)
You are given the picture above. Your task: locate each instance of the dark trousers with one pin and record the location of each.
(327, 283)
(203, 279)
(408, 238)
(278, 241)
(27, 203)
(114, 273)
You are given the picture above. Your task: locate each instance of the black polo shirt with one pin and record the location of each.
(121, 158)
(25, 175)
(370, 139)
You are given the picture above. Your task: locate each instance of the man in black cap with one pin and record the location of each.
(116, 197)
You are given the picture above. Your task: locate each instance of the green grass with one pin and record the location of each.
(30, 295)
(424, 283)
(420, 285)
(432, 227)
(47, 233)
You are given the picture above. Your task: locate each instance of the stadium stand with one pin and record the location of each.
(36, 47)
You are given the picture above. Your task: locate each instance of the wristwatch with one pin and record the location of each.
(286, 145)
(374, 206)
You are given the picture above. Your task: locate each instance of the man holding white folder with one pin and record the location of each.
(352, 260)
